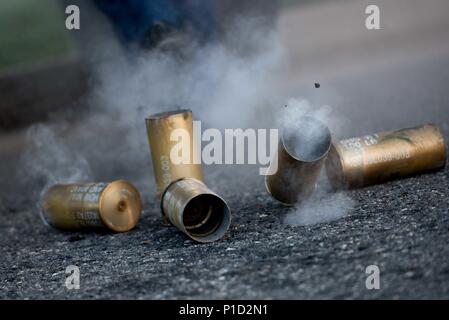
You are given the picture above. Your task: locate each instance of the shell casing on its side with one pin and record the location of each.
(116, 206)
(300, 158)
(384, 156)
(160, 128)
(195, 210)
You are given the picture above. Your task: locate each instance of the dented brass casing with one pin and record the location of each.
(195, 210)
(160, 128)
(116, 206)
(296, 178)
(384, 156)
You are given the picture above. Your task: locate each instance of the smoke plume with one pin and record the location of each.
(324, 205)
(228, 84)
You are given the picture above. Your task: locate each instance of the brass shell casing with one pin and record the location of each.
(195, 210)
(116, 206)
(296, 178)
(384, 156)
(159, 128)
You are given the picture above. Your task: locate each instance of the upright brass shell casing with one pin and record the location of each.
(384, 156)
(159, 128)
(196, 210)
(297, 175)
(116, 206)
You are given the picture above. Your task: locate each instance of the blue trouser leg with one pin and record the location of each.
(133, 18)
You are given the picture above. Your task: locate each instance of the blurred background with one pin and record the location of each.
(373, 79)
(72, 109)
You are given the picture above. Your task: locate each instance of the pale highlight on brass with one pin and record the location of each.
(195, 210)
(301, 155)
(159, 128)
(116, 206)
(384, 156)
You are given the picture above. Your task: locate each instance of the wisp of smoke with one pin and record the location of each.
(297, 108)
(48, 161)
(321, 207)
(324, 205)
(223, 86)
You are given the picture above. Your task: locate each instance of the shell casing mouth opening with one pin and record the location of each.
(206, 217)
(303, 147)
(308, 140)
(167, 114)
(201, 214)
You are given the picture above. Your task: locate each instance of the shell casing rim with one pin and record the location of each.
(288, 161)
(225, 219)
(323, 155)
(167, 114)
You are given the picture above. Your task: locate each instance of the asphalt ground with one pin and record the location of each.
(401, 226)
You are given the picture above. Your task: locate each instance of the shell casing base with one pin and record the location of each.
(116, 206)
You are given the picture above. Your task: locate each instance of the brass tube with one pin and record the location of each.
(301, 154)
(384, 156)
(160, 128)
(114, 205)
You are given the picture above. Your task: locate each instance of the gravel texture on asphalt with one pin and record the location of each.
(401, 226)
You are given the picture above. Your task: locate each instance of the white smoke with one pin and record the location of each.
(297, 108)
(323, 205)
(223, 85)
(226, 86)
(220, 84)
(50, 160)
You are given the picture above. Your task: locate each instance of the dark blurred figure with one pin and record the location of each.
(159, 23)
